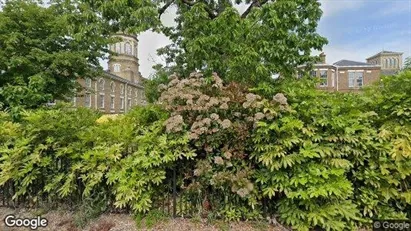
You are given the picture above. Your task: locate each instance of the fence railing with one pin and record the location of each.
(173, 200)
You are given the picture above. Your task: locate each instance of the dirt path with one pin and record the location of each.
(64, 221)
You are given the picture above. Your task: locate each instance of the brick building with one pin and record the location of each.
(344, 75)
(390, 62)
(120, 87)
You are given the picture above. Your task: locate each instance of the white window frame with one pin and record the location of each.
(128, 49)
(353, 77)
(88, 82)
(87, 96)
(101, 96)
(101, 83)
(112, 102)
(121, 103)
(357, 77)
(116, 67)
(112, 87)
(129, 103)
(322, 78)
(129, 90)
(313, 71)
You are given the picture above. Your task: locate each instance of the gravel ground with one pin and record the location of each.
(63, 221)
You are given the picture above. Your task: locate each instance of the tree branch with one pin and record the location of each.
(164, 8)
(256, 3)
(211, 14)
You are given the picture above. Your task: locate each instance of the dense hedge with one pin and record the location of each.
(319, 159)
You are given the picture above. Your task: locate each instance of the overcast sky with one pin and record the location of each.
(355, 29)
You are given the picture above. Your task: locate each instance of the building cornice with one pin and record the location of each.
(115, 77)
(126, 35)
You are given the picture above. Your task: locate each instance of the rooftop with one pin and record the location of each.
(385, 53)
(345, 62)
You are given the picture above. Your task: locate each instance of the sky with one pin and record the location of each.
(355, 29)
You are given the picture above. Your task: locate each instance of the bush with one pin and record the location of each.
(316, 159)
(65, 154)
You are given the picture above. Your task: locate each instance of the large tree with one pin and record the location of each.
(269, 37)
(44, 48)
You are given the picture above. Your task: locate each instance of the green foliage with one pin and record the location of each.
(65, 154)
(150, 219)
(271, 37)
(313, 159)
(407, 64)
(89, 209)
(151, 85)
(44, 50)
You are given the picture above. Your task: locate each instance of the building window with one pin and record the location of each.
(118, 48)
(87, 100)
(386, 63)
(116, 67)
(112, 102)
(323, 79)
(129, 91)
(313, 73)
(355, 79)
(112, 87)
(101, 101)
(360, 79)
(127, 48)
(122, 89)
(351, 79)
(101, 84)
(88, 82)
(121, 103)
(128, 103)
(395, 63)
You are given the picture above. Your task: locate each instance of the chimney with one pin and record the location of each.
(322, 57)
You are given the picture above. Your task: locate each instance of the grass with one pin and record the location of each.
(150, 219)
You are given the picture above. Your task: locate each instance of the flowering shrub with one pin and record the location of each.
(220, 120)
(311, 154)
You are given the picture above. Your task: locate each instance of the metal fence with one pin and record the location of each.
(172, 199)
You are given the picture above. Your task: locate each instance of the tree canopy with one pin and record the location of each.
(45, 48)
(269, 37)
